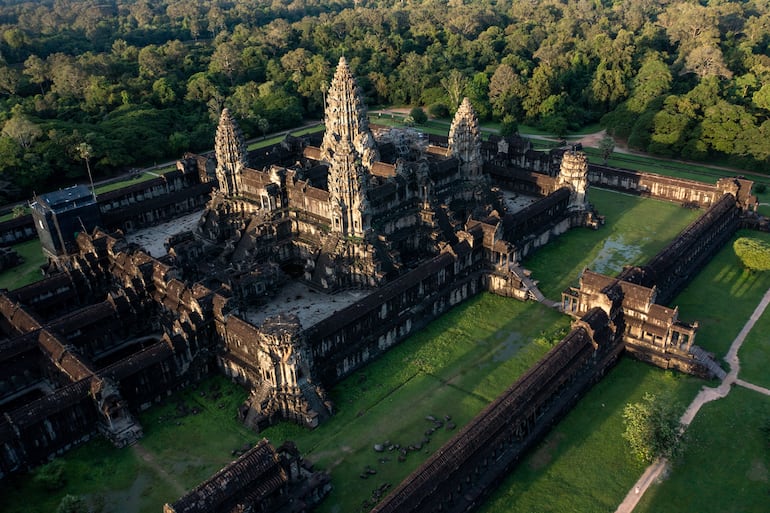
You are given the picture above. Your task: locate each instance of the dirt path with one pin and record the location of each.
(149, 459)
(707, 394)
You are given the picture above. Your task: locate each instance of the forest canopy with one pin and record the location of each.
(142, 80)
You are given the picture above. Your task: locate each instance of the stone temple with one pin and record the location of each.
(316, 255)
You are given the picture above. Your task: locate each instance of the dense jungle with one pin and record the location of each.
(123, 83)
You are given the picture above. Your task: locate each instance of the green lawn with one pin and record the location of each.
(144, 176)
(584, 464)
(754, 354)
(29, 271)
(726, 467)
(635, 230)
(722, 297)
(10, 215)
(455, 367)
(261, 143)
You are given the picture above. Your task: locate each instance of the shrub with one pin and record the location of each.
(51, 475)
(509, 126)
(418, 115)
(72, 504)
(438, 110)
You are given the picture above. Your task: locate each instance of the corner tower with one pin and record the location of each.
(465, 141)
(574, 174)
(349, 148)
(230, 149)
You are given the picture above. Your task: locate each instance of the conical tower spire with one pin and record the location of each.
(230, 150)
(465, 140)
(346, 119)
(349, 148)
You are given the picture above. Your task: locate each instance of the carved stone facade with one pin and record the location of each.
(573, 173)
(349, 149)
(465, 141)
(230, 148)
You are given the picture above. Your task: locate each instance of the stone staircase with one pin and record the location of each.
(325, 260)
(532, 291)
(707, 360)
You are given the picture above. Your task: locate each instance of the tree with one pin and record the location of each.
(606, 146)
(454, 84)
(37, 70)
(508, 125)
(653, 80)
(84, 151)
(652, 428)
(753, 253)
(264, 125)
(706, 61)
(506, 91)
(22, 130)
(9, 80)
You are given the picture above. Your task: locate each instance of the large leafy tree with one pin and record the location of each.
(652, 428)
(753, 253)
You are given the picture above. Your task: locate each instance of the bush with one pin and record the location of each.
(438, 110)
(760, 188)
(418, 115)
(72, 504)
(51, 475)
(509, 126)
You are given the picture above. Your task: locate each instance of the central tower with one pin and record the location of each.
(349, 148)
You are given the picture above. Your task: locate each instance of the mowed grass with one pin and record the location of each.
(29, 271)
(584, 464)
(754, 354)
(635, 230)
(726, 466)
(189, 447)
(722, 297)
(454, 367)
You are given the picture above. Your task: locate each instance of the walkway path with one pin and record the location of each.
(149, 459)
(706, 395)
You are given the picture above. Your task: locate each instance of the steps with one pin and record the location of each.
(532, 291)
(707, 360)
(325, 260)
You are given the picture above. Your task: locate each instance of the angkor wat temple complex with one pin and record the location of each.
(402, 225)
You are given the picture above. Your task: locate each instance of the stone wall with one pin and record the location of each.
(459, 475)
(677, 190)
